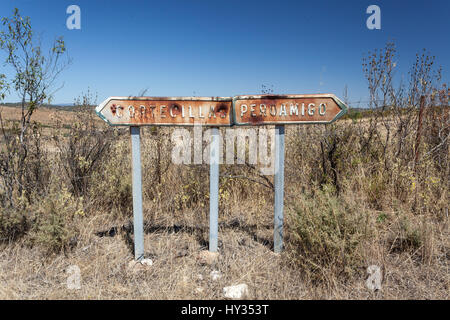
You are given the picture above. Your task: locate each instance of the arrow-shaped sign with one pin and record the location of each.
(222, 111)
(287, 109)
(169, 111)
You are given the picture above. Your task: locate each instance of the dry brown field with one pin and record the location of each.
(331, 237)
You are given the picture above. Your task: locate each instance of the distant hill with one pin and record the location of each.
(60, 106)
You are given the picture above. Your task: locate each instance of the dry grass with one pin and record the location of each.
(31, 274)
(410, 245)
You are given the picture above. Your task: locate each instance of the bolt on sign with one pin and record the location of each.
(166, 111)
(287, 109)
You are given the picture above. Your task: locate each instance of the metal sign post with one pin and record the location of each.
(214, 190)
(138, 219)
(279, 189)
(249, 110)
(135, 112)
(280, 110)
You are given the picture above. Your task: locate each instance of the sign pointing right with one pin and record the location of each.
(287, 109)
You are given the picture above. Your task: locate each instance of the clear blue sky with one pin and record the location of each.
(228, 47)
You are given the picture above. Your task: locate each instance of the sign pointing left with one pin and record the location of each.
(170, 111)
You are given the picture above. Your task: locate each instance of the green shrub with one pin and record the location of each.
(13, 224)
(327, 234)
(55, 227)
(407, 236)
(111, 183)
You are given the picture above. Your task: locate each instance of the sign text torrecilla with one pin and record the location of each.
(188, 111)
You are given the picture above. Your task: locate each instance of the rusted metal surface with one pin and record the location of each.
(173, 111)
(287, 109)
(222, 111)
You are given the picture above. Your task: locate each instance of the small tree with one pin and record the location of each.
(86, 144)
(396, 107)
(3, 86)
(33, 81)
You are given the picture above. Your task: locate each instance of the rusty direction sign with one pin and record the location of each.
(173, 111)
(222, 111)
(217, 111)
(287, 109)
